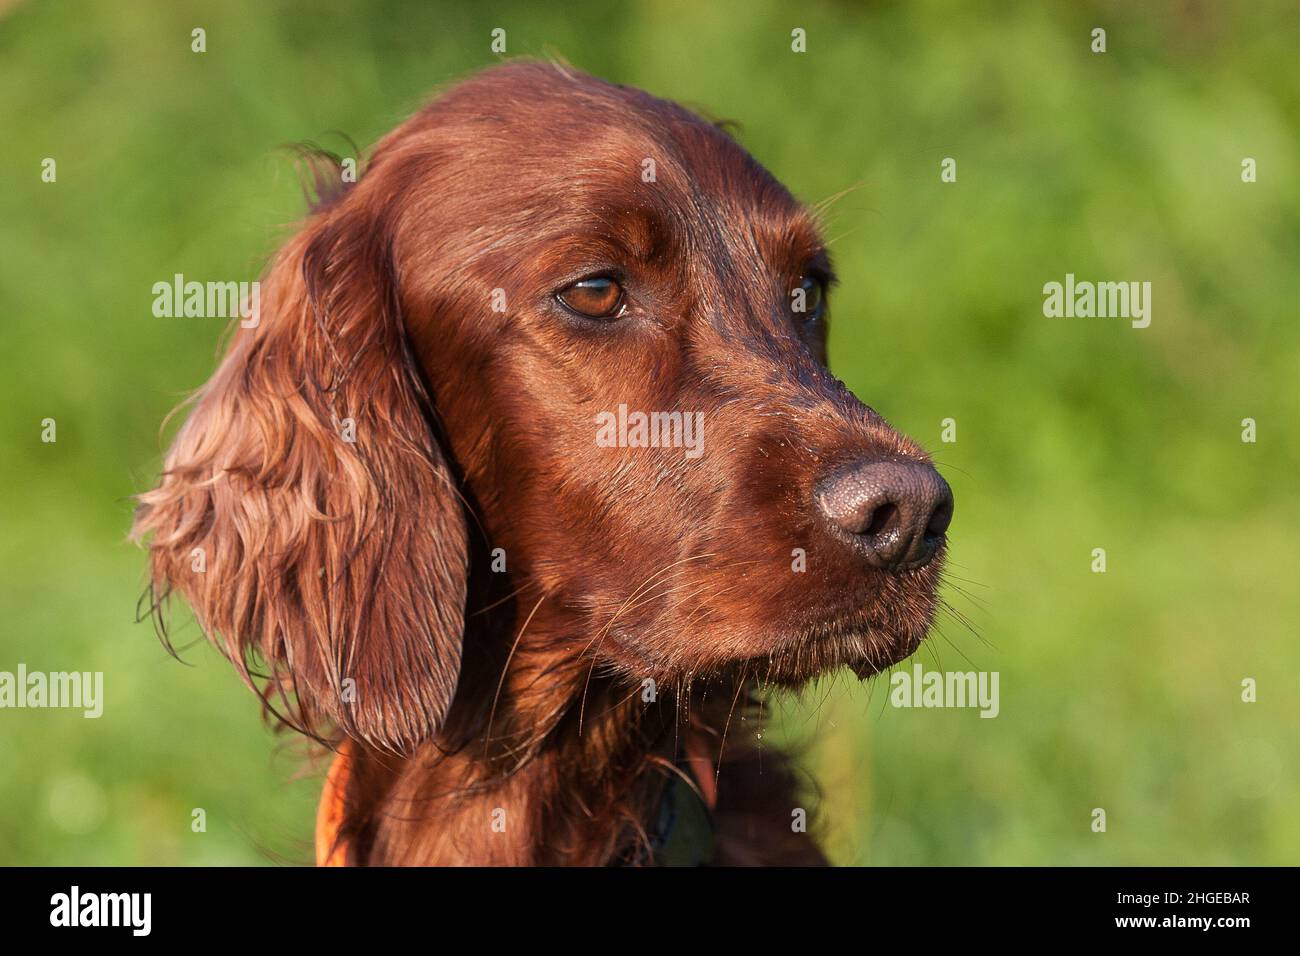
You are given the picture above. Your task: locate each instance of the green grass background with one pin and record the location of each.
(1119, 690)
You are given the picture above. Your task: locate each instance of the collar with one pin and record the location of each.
(331, 850)
(682, 833)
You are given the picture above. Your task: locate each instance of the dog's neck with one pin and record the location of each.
(543, 760)
(559, 763)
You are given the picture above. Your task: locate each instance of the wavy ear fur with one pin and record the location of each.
(332, 536)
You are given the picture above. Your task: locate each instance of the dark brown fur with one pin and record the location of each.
(370, 562)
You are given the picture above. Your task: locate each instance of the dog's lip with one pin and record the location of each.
(880, 643)
(864, 649)
(860, 613)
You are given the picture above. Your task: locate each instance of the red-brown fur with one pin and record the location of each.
(475, 690)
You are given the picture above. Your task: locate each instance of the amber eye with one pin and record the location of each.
(598, 298)
(808, 298)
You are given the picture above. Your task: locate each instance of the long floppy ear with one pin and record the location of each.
(309, 491)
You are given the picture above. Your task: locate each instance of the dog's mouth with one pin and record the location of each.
(882, 626)
(863, 642)
(865, 622)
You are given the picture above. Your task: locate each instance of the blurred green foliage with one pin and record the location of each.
(1119, 690)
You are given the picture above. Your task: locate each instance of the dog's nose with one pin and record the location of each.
(897, 510)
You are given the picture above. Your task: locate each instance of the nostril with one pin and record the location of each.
(937, 526)
(881, 520)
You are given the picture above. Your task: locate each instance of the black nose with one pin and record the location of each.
(896, 510)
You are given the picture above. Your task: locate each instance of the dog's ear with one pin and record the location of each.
(307, 510)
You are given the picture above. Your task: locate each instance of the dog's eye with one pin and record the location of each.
(598, 298)
(807, 299)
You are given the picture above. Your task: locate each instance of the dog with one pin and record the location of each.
(529, 644)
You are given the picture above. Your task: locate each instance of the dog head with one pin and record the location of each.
(586, 321)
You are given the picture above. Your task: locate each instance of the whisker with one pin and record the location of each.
(487, 736)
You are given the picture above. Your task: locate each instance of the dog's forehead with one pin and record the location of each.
(572, 137)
